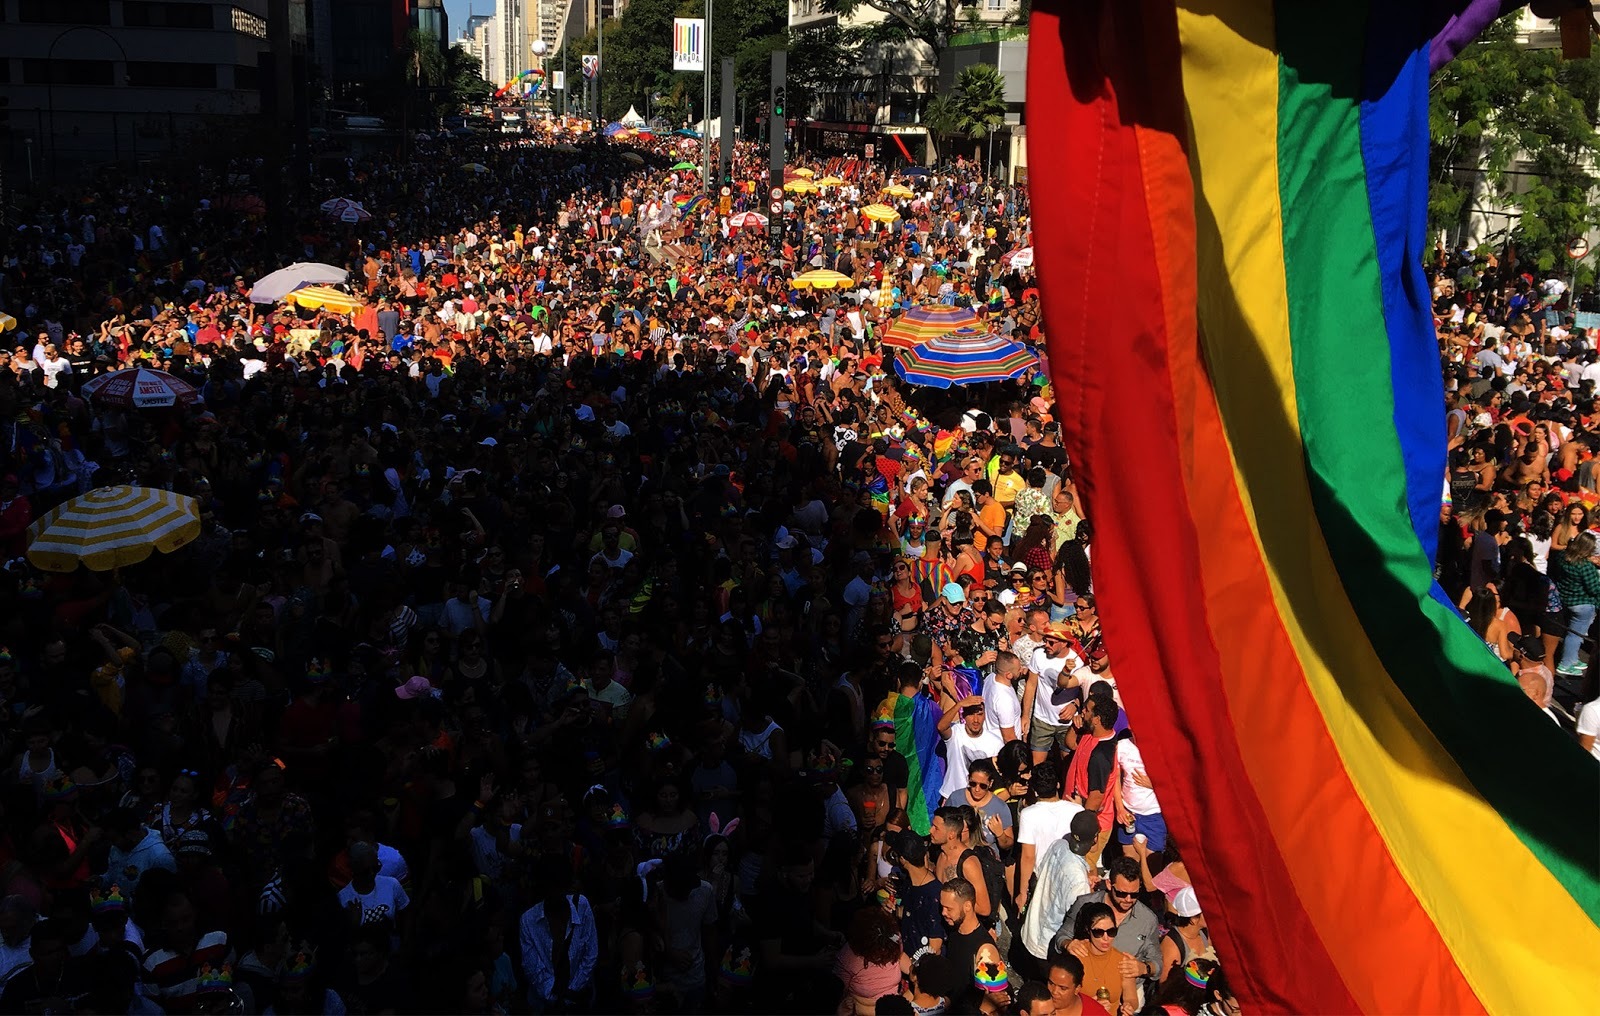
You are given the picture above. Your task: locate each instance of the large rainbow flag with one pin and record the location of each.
(915, 722)
(1228, 202)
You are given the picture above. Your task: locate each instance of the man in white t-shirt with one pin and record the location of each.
(1138, 799)
(1001, 700)
(965, 741)
(1055, 699)
(370, 897)
(1040, 824)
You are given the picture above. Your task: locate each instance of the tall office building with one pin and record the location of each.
(86, 81)
(430, 18)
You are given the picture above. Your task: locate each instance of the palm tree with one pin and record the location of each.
(974, 109)
(980, 101)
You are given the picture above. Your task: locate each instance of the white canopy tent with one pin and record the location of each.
(633, 119)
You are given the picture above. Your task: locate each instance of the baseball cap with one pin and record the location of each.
(953, 593)
(1185, 903)
(1083, 831)
(195, 842)
(415, 687)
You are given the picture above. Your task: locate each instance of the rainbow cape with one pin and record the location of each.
(916, 737)
(1367, 802)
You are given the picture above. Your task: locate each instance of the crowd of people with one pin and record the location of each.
(1519, 546)
(589, 622)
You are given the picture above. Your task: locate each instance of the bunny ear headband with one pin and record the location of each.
(718, 829)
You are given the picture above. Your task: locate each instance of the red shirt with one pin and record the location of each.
(1091, 1007)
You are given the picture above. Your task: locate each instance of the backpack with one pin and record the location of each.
(994, 878)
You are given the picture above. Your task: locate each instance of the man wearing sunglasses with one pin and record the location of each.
(1138, 927)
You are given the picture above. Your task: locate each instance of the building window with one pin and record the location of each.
(249, 24)
(143, 14)
(64, 12)
(247, 76)
(67, 72)
(162, 74)
(995, 5)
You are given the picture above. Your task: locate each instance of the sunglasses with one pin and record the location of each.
(873, 770)
(1124, 894)
(974, 784)
(1103, 932)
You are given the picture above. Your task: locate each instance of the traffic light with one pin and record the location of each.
(778, 102)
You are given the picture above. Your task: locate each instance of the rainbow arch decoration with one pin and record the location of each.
(1367, 802)
(526, 83)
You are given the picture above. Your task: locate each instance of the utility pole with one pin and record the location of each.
(725, 156)
(707, 181)
(780, 109)
(779, 113)
(600, 63)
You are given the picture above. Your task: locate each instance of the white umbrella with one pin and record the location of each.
(274, 287)
(747, 220)
(345, 210)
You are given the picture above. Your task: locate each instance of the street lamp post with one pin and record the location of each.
(50, 80)
(706, 179)
(539, 51)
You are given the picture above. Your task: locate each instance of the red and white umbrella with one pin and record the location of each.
(747, 220)
(138, 388)
(345, 210)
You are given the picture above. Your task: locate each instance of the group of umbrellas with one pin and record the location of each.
(939, 346)
(112, 527)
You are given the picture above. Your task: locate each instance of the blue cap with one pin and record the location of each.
(953, 593)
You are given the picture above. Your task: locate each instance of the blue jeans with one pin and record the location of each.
(1579, 617)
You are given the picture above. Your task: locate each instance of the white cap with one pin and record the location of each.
(1185, 903)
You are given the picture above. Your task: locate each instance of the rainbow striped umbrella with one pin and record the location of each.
(920, 324)
(967, 356)
(112, 527)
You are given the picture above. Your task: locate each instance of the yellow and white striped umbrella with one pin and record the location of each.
(7, 322)
(821, 278)
(112, 527)
(327, 298)
(880, 213)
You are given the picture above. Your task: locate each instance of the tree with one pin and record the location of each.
(422, 61)
(821, 60)
(973, 109)
(1516, 124)
(931, 22)
(464, 77)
